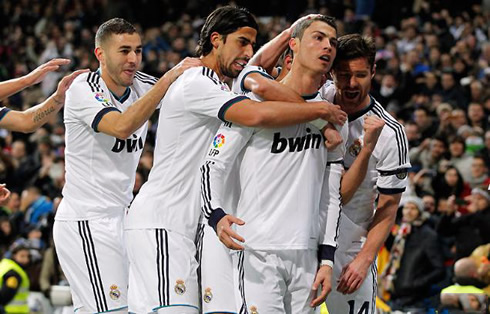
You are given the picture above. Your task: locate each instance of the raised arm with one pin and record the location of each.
(13, 86)
(33, 118)
(353, 177)
(122, 125)
(269, 54)
(269, 89)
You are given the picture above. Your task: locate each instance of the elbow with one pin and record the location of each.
(254, 120)
(122, 133)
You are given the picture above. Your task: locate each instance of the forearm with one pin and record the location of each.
(274, 91)
(380, 227)
(269, 54)
(354, 176)
(142, 109)
(271, 114)
(40, 114)
(12, 86)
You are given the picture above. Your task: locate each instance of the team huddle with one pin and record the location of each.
(269, 192)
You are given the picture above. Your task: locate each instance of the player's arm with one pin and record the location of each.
(354, 273)
(353, 177)
(33, 118)
(269, 89)
(122, 125)
(10, 286)
(222, 154)
(269, 54)
(271, 114)
(10, 87)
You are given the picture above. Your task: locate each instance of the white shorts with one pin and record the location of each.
(350, 241)
(274, 281)
(93, 258)
(216, 270)
(162, 272)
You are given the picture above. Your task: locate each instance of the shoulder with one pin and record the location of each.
(141, 78)
(87, 81)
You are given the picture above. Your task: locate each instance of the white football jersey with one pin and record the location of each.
(194, 105)
(100, 169)
(388, 165)
(282, 175)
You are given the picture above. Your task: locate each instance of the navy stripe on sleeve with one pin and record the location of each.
(99, 115)
(227, 105)
(3, 112)
(242, 83)
(390, 191)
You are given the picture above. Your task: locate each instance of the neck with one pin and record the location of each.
(302, 81)
(211, 61)
(115, 88)
(352, 110)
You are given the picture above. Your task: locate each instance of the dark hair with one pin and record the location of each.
(113, 26)
(299, 29)
(355, 46)
(224, 21)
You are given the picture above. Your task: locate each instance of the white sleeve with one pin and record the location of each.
(338, 153)
(393, 163)
(206, 95)
(239, 83)
(327, 91)
(222, 154)
(86, 101)
(330, 209)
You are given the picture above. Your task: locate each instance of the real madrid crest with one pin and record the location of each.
(402, 175)
(179, 287)
(208, 295)
(253, 310)
(355, 148)
(115, 293)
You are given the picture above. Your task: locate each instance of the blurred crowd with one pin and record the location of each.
(432, 74)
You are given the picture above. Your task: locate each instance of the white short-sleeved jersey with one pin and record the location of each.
(100, 169)
(194, 105)
(388, 165)
(281, 178)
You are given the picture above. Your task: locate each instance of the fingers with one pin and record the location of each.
(58, 62)
(226, 236)
(323, 293)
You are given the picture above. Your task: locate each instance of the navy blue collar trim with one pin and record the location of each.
(309, 97)
(360, 113)
(124, 96)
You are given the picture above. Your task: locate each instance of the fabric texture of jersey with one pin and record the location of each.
(100, 169)
(194, 105)
(281, 178)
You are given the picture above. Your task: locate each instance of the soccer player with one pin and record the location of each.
(368, 212)
(105, 117)
(295, 199)
(162, 221)
(33, 118)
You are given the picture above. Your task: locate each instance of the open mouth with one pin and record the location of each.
(351, 94)
(241, 64)
(325, 58)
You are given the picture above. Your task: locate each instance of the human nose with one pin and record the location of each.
(132, 57)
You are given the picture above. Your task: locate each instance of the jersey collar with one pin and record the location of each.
(310, 96)
(361, 112)
(124, 96)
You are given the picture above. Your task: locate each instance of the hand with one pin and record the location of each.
(353, 275)
(64, 84)
(372, 129)
(39, 73)
(323, 277)
(4, 195)
(183, 65)
(225, 233)
(332, 137)
(334, 114)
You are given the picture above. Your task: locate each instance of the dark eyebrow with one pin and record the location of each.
(245, 39)
(129, 47)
